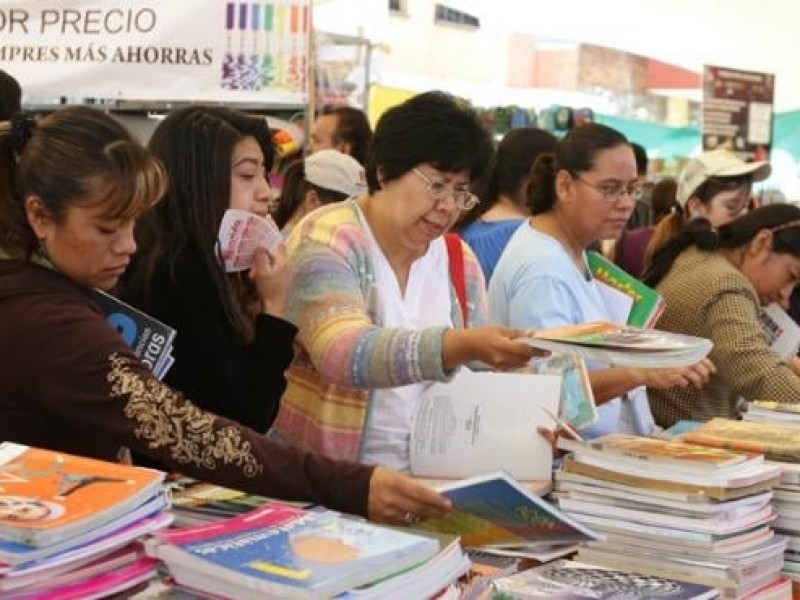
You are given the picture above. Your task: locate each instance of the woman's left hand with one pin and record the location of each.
(696, 375)
(270, 273)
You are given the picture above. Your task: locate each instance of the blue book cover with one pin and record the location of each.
(280, 550)
(495, 510)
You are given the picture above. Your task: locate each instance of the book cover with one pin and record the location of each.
(775, 441)
(647, 303)
(150, 339)
(782, 333)
(241, 234)
(568, 580)
(290, 552)
(480, 421)
(659, 452)
(47, 496)
(577, 398)
(494, 509)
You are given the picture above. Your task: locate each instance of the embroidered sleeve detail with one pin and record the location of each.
(165, 420)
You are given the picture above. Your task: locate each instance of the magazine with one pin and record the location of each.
(782, 333)
(241, 234)
(495, 510)
(482, 421)
(290, 552)
(150, 339)
(622, 345)
(647, 304)
(567, 580)
(50, 496)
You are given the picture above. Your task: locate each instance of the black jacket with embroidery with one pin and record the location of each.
(243, 382)
(68, 382)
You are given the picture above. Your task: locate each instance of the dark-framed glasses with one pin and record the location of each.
(439, 191)
(612, 192)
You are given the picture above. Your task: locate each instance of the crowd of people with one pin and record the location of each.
(300, 377)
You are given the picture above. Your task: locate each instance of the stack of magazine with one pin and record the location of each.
(780, 444)
(150, 339)
(283, 551)
(70, 527)
(668, 508)
(623, 345)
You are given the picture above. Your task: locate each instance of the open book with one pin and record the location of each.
(482, 421)
(623, 345)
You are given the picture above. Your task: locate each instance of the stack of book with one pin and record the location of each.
(677, 510)
(70, 527)
(284, 551)
(196, 502)
(779, 442)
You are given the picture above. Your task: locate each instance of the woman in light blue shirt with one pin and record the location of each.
(583, 192)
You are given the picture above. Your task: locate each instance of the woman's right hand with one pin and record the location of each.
(493, 345)
(270, 274)
(399, 500)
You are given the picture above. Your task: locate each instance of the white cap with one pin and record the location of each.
(335, 171)
(716, 163)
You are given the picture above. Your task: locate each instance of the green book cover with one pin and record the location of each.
(647, 303)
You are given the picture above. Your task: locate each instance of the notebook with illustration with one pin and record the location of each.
(48, 496)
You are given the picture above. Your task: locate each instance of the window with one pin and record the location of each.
(397, 6)
(452, 16)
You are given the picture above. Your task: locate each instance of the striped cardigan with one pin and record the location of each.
(342, 351)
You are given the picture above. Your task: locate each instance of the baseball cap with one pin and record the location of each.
(716, 163)
(335, 171)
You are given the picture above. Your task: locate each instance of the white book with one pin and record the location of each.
(484, 421)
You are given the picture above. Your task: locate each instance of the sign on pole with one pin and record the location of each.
(737, 111)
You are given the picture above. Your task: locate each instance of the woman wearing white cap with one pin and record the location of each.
(715, 185)
(321, 178)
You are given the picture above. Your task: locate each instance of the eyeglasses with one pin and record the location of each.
(439, 190)
(612, 192)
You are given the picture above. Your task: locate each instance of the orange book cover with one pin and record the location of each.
(774, 441)
(657, 450)
(46, 496)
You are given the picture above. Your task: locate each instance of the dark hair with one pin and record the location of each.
(74, 156)
(511, 168)
(735, 234)
(434, 128)
(352, 127)
(662, 199)
(196, 144)
(641, 158)
(576, 153)
(10, 96)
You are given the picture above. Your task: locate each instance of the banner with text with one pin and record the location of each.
(204, 50)
(737, 111)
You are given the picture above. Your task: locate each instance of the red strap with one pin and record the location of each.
(455, 254)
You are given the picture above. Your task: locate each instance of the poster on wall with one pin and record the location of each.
(738, 111)
(202, 50)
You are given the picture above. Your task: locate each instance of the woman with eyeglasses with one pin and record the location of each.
(716, 185)
(377, 314)
(582, 192)
(714, 283)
